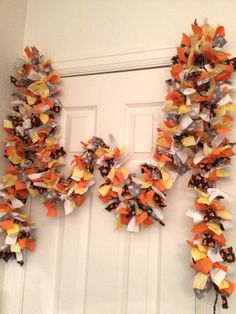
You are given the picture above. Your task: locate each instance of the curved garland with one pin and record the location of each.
(137, 201)
(193, 136)
(33, 150)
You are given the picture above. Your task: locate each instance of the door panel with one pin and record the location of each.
(82, 265)
(127, 273)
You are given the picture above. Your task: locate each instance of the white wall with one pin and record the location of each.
(12, 23)
(87, 30)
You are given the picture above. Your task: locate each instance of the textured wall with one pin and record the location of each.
(83, 29)
(12, 24)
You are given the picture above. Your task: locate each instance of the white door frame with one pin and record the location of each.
(115, 63)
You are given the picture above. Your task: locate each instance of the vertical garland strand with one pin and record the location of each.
(33, 151)
(194, 137)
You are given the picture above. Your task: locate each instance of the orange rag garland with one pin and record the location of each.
(193, 136)
(198, 106)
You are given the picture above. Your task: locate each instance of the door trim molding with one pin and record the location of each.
(124, 61)
(114, 63)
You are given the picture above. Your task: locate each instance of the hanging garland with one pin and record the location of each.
(193, 136)
(137, 201)
(33, 150)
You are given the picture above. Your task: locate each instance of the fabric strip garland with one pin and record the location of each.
(136, 199)
(35, 156)
(33, 151)
(193, 136)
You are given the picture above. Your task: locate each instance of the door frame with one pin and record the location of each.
(127, 61)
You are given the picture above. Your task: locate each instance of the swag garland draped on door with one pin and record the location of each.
(34, 153)
(192, 136)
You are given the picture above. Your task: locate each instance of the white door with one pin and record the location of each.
(82, 265)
